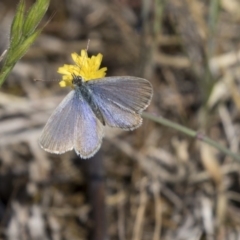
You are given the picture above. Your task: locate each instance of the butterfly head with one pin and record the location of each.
(76, 80)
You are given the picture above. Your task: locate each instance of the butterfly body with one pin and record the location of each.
(82, 88)
(78, 122)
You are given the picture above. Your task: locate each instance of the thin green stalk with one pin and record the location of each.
(209, 80)
(157, 24)
(23, 34)
(191, 133)
(214, 11)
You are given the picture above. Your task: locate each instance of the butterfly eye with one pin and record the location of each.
(77, 80)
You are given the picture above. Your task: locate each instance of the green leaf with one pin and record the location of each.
(4, 73)
(34, 16)
(18, 52)
(23, 34)
(17, 24)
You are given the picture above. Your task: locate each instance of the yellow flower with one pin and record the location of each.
(86, 67)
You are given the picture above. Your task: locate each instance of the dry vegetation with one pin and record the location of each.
(157, 183)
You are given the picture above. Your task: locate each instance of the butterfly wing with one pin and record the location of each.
(72, 125)
(88, 130)
(58, 134)
(121, 99)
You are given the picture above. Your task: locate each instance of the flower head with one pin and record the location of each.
(86, 67)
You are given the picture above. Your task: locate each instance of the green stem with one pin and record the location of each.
(191, 133)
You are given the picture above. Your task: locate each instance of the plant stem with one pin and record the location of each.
(95, 172)
(191, 133)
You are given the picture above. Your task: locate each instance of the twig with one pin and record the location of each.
(191, 133)
(96, 187)
(121, 222)
(138, 225)
(158, 210)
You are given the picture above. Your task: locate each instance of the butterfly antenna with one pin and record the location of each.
(86, 52)
(88, 43)
(43, 80)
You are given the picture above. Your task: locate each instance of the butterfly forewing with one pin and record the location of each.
(72, 125)
(57, 135)
(121, 99)
(130, 92)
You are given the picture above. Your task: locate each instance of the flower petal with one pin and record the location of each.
(86, 67)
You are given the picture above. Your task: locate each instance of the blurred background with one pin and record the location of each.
(155, 182)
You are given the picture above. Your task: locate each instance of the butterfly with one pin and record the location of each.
(78, 122)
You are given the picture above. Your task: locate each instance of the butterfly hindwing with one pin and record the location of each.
(116, 116)
(88, 132)
(121, 99)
